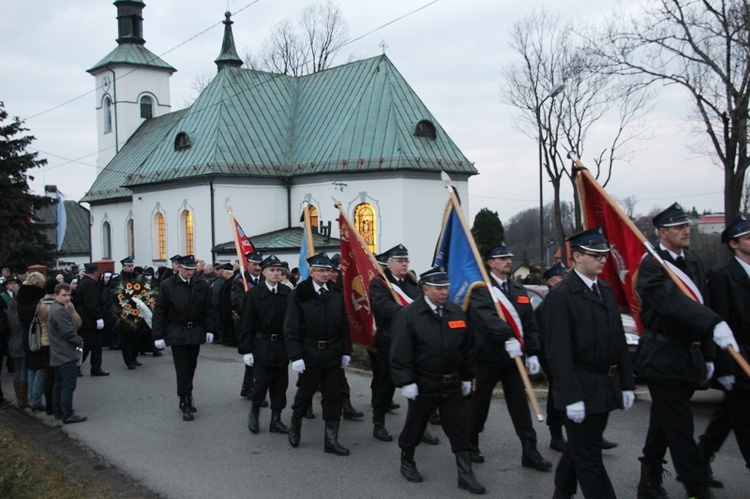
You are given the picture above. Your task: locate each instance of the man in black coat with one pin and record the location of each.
(261, 344)
(675, 355)
(88, 303)
(129, 334)
(496, 348)
(183, 320)
(316, 335)
(584, 344)
(729, 290)
(432, 362)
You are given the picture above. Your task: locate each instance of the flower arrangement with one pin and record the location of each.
(125, 307)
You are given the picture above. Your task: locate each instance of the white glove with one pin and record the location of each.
(576, 412)
(248, 359)
(298, 366)
(513, 347)
(410, 391)
(160, 344)
(209, 338)
(628, 397)
(726, 381)
(466, 388)
(345, 359)
(100, 324)
(709, 371)
(533, 364)
(723, 336)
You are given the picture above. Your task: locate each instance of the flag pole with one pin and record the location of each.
(237, 247)
(361, 240)
(486, 277)
(308, 231)
(582, 170)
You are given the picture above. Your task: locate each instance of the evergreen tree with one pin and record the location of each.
(22, 239)
(488, 230)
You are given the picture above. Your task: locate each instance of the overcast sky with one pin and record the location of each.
(450, 52)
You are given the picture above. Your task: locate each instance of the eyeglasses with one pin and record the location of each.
(598, 256)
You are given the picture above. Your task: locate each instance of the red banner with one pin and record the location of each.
(626, 242)
(243, 243)
(357, 270)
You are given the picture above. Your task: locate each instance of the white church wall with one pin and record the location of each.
(259, 207)
(116, 215)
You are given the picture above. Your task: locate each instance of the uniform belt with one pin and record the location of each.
(322, 343)
(272, 337)
(445, 378)
(597, 369)
(692, 346)
(189, 325)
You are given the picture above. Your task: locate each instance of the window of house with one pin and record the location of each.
(106, 241)
(107, 115)
(160, 237)
(364, 222)
(147, 107)
(188, 233)
(182, 141)
(425, 129)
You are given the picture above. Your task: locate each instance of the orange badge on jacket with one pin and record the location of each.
(456, 324)
(524, 299)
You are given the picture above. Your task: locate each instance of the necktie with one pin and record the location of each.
(504, 287)
(273, 291)
(322, 291)
(595, 289)
(400, 283)
(680, 262)
(439, 312)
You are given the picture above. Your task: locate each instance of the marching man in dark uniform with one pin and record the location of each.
(495, 349)
(183, 320)
(730, 298)
(675, 355)
(431, 360)
(88, 304)
(254, 278)
(130, 335)
(261, 344)
(584, 344)
(316, 335)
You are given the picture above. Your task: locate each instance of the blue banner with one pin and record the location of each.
(304, 270)
(62, 220)
(454, 254)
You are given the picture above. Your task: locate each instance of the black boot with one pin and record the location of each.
(707, 457)
(531, 457)
(187, 413)
(466, 478)
(698, 490)
(192, 403)
(252, 419)
(295, 431)
(332, 440)
(349, 411)
(557, 440)
(379, 431)
(409, 466)
(649, 486)
(276, 425)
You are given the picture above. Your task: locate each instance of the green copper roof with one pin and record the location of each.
(356, 117)
(284, 239)
(134, 55)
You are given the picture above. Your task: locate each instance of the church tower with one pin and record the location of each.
(132, 83)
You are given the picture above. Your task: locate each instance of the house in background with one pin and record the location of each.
(69, 229)
(267, 145)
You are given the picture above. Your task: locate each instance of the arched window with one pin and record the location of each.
(182, 141)
(364, 222)
(188, 233)
(425, 129)
(131, 238)
(147, 107)
(107, 115)
(313, 211)
(106, 241)
(160, 237)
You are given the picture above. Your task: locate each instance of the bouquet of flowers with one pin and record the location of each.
(126, 295)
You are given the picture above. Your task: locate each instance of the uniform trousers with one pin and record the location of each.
(515, 397)
(382, 385)
(453, 419)
(717, 430)
(738, 407)
(92, 343)
(554, 416)
(274, 379)
(671, 425)
(185, 359)
(330, 381)
(582, 459)
(129, 342)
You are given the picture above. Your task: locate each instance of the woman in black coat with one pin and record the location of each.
(29, 295)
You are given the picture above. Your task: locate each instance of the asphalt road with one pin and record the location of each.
(134, 423)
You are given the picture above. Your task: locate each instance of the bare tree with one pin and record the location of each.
(550, 53)
(199, 84)
(629, 204)
(304, 47)
(746, 197)
(702, 46)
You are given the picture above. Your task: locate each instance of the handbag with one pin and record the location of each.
(35, 333)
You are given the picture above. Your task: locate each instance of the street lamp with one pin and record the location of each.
(552, 93)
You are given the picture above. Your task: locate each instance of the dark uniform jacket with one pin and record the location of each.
(730, 298)
(425, 347)
(182, 315)
(229, 312)
(88, 302)
(262, 331)
(584, 344)
(384, 306)
(316, 327)
(672, 322)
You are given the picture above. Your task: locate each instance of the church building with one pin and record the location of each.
(265, 145)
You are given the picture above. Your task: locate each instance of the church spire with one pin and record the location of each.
(228, 56)
(130, 21)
